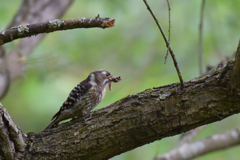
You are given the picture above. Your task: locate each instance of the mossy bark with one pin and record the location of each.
(140, 119)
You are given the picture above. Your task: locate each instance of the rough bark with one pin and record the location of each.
(139, 119)
(28, 30)
(186, 149)
(12, 138)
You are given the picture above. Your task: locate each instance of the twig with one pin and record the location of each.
(189, 136)
(201, 147)
(201, 39)
(167, 44)
(53, 25)
(169, 28)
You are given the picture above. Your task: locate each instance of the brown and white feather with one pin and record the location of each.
(84, 97)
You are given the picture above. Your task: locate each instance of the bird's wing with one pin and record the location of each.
(74, 96)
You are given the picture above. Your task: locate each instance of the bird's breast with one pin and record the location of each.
(101, 96)
(90, 100)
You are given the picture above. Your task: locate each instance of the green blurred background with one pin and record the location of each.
(133, 49)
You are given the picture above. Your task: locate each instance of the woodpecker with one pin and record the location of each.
(84, 97)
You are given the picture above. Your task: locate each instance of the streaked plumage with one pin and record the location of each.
(84, 97)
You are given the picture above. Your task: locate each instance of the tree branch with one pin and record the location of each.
(189, 136)
(186, 150)
(201, 39)
(167, 44)
(207, 145)
(139, 119)
(53, 25)
(130, 122)
(12, 138)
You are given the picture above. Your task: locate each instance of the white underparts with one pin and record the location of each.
(105, 82)
(103, 93)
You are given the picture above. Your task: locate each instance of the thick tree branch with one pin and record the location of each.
(12, 138)
(207, 145)
(136, 120)
(139, 119)
(53, 25)
(169, 28)
(200, 43)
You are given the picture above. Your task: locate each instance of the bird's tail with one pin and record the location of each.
(53, 124)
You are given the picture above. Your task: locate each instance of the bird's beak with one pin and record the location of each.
(113, 79)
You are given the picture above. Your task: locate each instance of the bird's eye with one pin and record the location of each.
(107, 74)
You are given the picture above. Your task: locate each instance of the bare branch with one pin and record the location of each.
(189, 136)
(169, 28)
(167, 44)
(207, 145)
(201, 39)
(53, 25)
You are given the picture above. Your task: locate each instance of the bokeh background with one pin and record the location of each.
(133, 49)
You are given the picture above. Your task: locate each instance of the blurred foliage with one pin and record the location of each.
(133, 49)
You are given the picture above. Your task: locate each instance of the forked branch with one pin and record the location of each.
(167, 44)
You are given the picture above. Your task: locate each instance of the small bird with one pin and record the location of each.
(85, 97)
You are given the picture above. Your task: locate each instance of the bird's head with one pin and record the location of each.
(103, 78)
